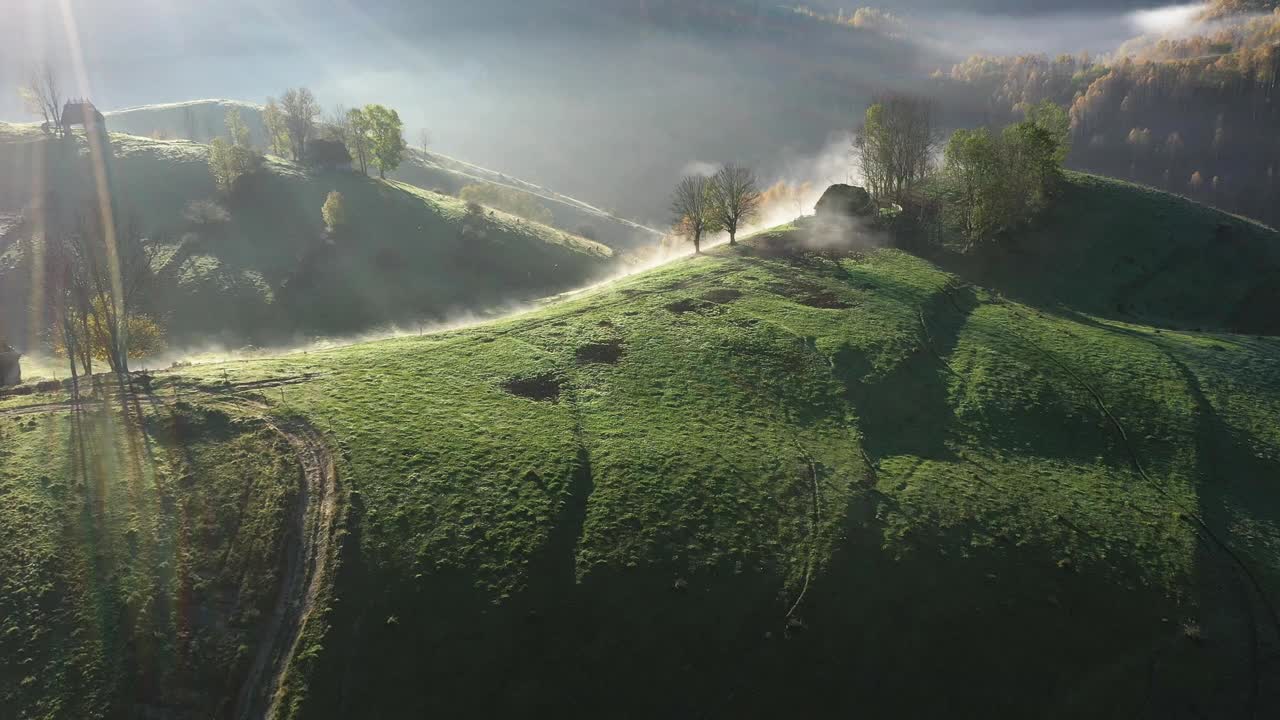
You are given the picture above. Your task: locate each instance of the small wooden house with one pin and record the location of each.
(83, 113)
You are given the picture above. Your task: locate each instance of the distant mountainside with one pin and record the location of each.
(1195, 114)
(259, 266)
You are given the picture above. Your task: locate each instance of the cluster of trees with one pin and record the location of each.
(726, 201)
(1225, 8)
(506, 199)
(997, 182)
(866, 18)
(991, 182)
(233, 157)
(1204, 128)
(371, 136)
(97, 266)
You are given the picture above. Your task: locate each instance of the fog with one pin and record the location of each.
(604, 100)
(607, 101)
(1098, 31)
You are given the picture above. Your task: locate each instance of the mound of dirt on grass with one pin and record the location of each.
(543, 387)
(681, 307)
(609, 353)
(722, 295)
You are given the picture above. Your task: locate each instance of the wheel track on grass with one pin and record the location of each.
(1201, 527)
(311, 540)
(310, 563)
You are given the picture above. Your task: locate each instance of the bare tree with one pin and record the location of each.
(336, 125)
(424, 139)
(361, 141)
(107, 266)
(42, 96)
(300, 111)
(692, 208)
(736, 198)
(65, 289)
(277, 131)
(896, 144)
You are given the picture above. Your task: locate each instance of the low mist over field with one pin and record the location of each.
(594, 99)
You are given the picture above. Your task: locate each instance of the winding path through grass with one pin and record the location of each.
(309, 561)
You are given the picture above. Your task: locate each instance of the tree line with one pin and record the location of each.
(97, 267)
(366, 137)
(989, 183)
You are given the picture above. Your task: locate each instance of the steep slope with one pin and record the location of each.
(260, 267)
(202, 120)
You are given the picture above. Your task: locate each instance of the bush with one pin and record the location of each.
(474, 208)
(228, 163)
(205, 212)
(998, 182)
(334, 211)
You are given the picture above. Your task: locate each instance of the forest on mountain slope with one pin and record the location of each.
(1197, 115)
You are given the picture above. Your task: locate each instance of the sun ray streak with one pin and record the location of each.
(98, 157)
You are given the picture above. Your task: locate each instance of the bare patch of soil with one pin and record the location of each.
(681, 307)
(543, 387)
(609, 353)
(722, 295)
(824, 300)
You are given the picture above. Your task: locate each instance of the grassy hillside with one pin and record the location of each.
(138, 574)
(752, 482)
(1136, 254)
(442, 173)
(260, 267)
(196, 120)
(202, 120)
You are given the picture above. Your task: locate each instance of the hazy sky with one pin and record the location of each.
(587, 96)
(145, 51)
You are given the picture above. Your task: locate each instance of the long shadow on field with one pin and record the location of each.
(1234, 669)
(907, 412)
(1005, 632)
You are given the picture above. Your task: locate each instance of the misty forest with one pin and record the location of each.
(620, 359)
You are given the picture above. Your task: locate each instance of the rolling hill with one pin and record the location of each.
(756, 482)
(1128, 252)
(203, 120)
(259, 266)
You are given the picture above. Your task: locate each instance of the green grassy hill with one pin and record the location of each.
(757, 483)
(261, 268)
(1132, 253)
(136, 576)
(202, 120)
(196, 120)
